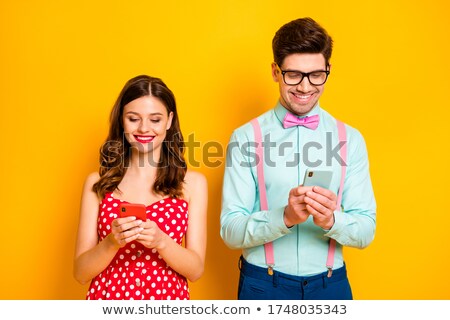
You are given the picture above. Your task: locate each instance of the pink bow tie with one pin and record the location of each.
(309, 122)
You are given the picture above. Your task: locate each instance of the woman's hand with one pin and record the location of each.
(152, 236)
(125, 230)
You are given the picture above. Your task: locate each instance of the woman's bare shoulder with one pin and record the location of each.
(92, 179)
(194, 177)
(194, 182)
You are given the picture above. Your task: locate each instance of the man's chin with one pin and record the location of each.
(301, 110)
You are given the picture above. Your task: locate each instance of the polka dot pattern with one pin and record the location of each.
(137, 272)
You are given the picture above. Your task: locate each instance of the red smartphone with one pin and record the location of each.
(133, 209)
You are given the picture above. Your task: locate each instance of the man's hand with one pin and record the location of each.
(296, 212)
(321, 204)
(318, 202)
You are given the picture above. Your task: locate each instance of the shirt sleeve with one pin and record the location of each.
(243, 224)
(354, 226)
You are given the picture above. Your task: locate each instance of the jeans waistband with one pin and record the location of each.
(253, 271)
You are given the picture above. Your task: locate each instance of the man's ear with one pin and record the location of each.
(169, 121)
(275, 72)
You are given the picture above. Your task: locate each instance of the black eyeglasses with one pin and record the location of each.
(293, 77)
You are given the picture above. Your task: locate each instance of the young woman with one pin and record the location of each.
(142, 162)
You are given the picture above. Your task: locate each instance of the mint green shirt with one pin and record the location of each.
(301, 250)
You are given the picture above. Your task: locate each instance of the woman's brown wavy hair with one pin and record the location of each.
(115, 152)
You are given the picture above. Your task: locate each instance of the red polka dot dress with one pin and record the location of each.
(137, 272)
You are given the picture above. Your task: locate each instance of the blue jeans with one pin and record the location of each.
(256, 284)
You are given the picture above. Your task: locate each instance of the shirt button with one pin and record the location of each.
(138, 254)
(138, 282)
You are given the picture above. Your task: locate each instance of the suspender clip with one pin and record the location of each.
(270, 270)
(330, 272)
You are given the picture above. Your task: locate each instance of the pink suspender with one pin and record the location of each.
(268, 247)
(342, 134)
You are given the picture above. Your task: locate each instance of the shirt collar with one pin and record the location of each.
(281, 111)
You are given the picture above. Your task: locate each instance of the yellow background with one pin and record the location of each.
(63, 63)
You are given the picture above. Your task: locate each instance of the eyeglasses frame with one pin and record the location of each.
(304, 74)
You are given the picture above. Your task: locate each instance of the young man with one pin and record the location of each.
(293, 249)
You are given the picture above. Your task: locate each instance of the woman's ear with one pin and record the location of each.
(169, 121)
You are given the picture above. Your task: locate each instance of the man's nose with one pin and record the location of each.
(304, 85)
